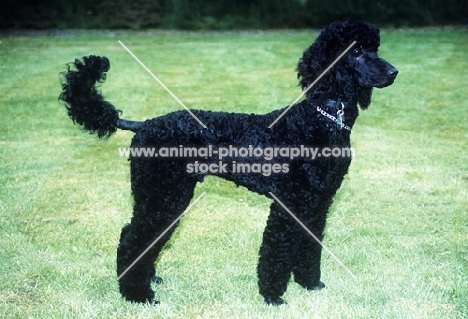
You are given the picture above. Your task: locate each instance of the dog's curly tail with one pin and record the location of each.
(85, 103)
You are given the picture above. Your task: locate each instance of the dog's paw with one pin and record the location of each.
(151, 302)
(274, 301)
(157, 280)
(318, 286)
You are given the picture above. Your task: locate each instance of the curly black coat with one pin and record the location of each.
(162, 188)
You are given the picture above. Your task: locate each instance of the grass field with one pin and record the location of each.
(399, 222)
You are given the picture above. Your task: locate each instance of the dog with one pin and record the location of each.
(164, 186)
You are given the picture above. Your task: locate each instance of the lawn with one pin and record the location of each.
(399, 222)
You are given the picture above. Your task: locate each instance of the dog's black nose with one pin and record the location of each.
(392, 73)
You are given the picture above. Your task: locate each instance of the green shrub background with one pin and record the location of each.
(225, 14)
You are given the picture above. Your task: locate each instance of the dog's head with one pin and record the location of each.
(358, 71)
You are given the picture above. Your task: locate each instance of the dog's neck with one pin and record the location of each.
(332, 105)
(338, 89)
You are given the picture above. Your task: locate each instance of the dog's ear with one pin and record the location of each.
(306, 68)
(364, 97)
(311, 65)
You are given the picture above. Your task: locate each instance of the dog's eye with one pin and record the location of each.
(358, 50)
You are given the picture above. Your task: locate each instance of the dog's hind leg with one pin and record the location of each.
(161, 192)
(276, 255)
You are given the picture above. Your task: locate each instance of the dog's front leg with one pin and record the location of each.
(276, 255)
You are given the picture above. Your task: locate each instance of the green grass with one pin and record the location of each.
(399, 222)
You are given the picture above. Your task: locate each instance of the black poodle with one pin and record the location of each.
(246, 149)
